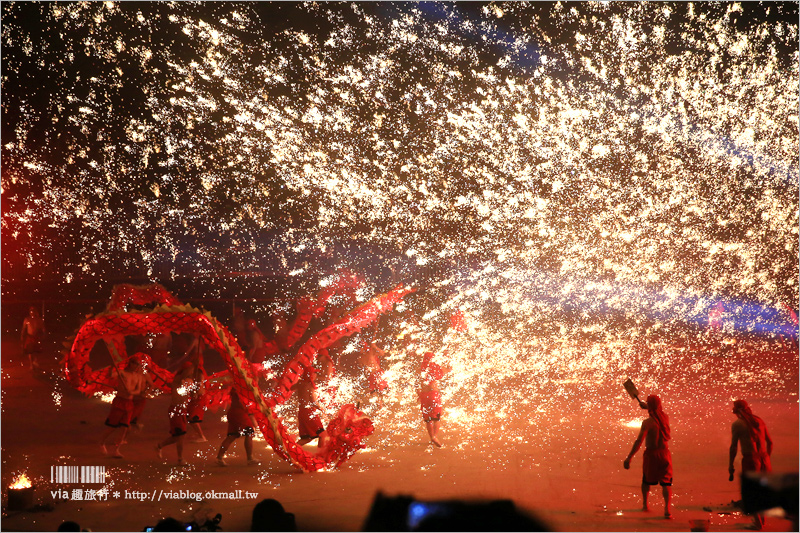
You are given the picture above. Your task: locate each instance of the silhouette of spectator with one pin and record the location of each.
(404, 513)
(269, 515)
(170, 524)
(68, 525)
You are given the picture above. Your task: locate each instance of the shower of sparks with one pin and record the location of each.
(57, 398)
(578, 179)
(105, 397)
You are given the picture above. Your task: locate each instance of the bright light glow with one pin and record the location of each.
(20, 482)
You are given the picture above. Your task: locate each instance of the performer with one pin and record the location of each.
(750, 432)
(182, 385)
(161, 346)
(239, 328)
(790, 333)
(196, 407)
(715, 315)
(32, 336)
(131, 381)
(376, 384)
(327, 372)
(139, 400)
(430, 397)
(240, 424)
(309, 424)
(256, 342)
(657, 461)
(280, 330)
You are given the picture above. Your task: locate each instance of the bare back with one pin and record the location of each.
(654, 440)
(748, 444)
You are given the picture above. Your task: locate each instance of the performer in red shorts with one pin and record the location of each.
(240, 424)
(309, 424)
(195, 410)
(32, 335)
(130, 382)
(430, 398)
(751, 433)
(196, 407)
(657, 461)
(140, 400)
(181, 385)
(370, 361)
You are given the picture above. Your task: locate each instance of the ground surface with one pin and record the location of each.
(564, 465)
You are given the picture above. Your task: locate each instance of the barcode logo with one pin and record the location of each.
(77, 474)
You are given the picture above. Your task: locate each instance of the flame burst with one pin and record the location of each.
(20, 482)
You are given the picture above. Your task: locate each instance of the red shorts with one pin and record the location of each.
(308, 423)
(177, 420)
(431, 405)
(121, 411)
(756, 462)
(657, 467)
(32, 345)
(196, 409)
(239, 423)
(138, 408)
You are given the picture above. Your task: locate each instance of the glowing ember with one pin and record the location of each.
(582, 182)
(105, 397)
(21, 482)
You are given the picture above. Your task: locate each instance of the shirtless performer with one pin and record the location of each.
(750, 432)
(657, 461)
(161, 345)
(371, 362)
(182, 386)
(196, 408)
(256, 342)
(430, 398)
(240, 424)
(309, 425)
(140, 400)
(131, 382)
(32, 335)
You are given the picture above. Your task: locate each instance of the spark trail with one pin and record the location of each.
(556, 171)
